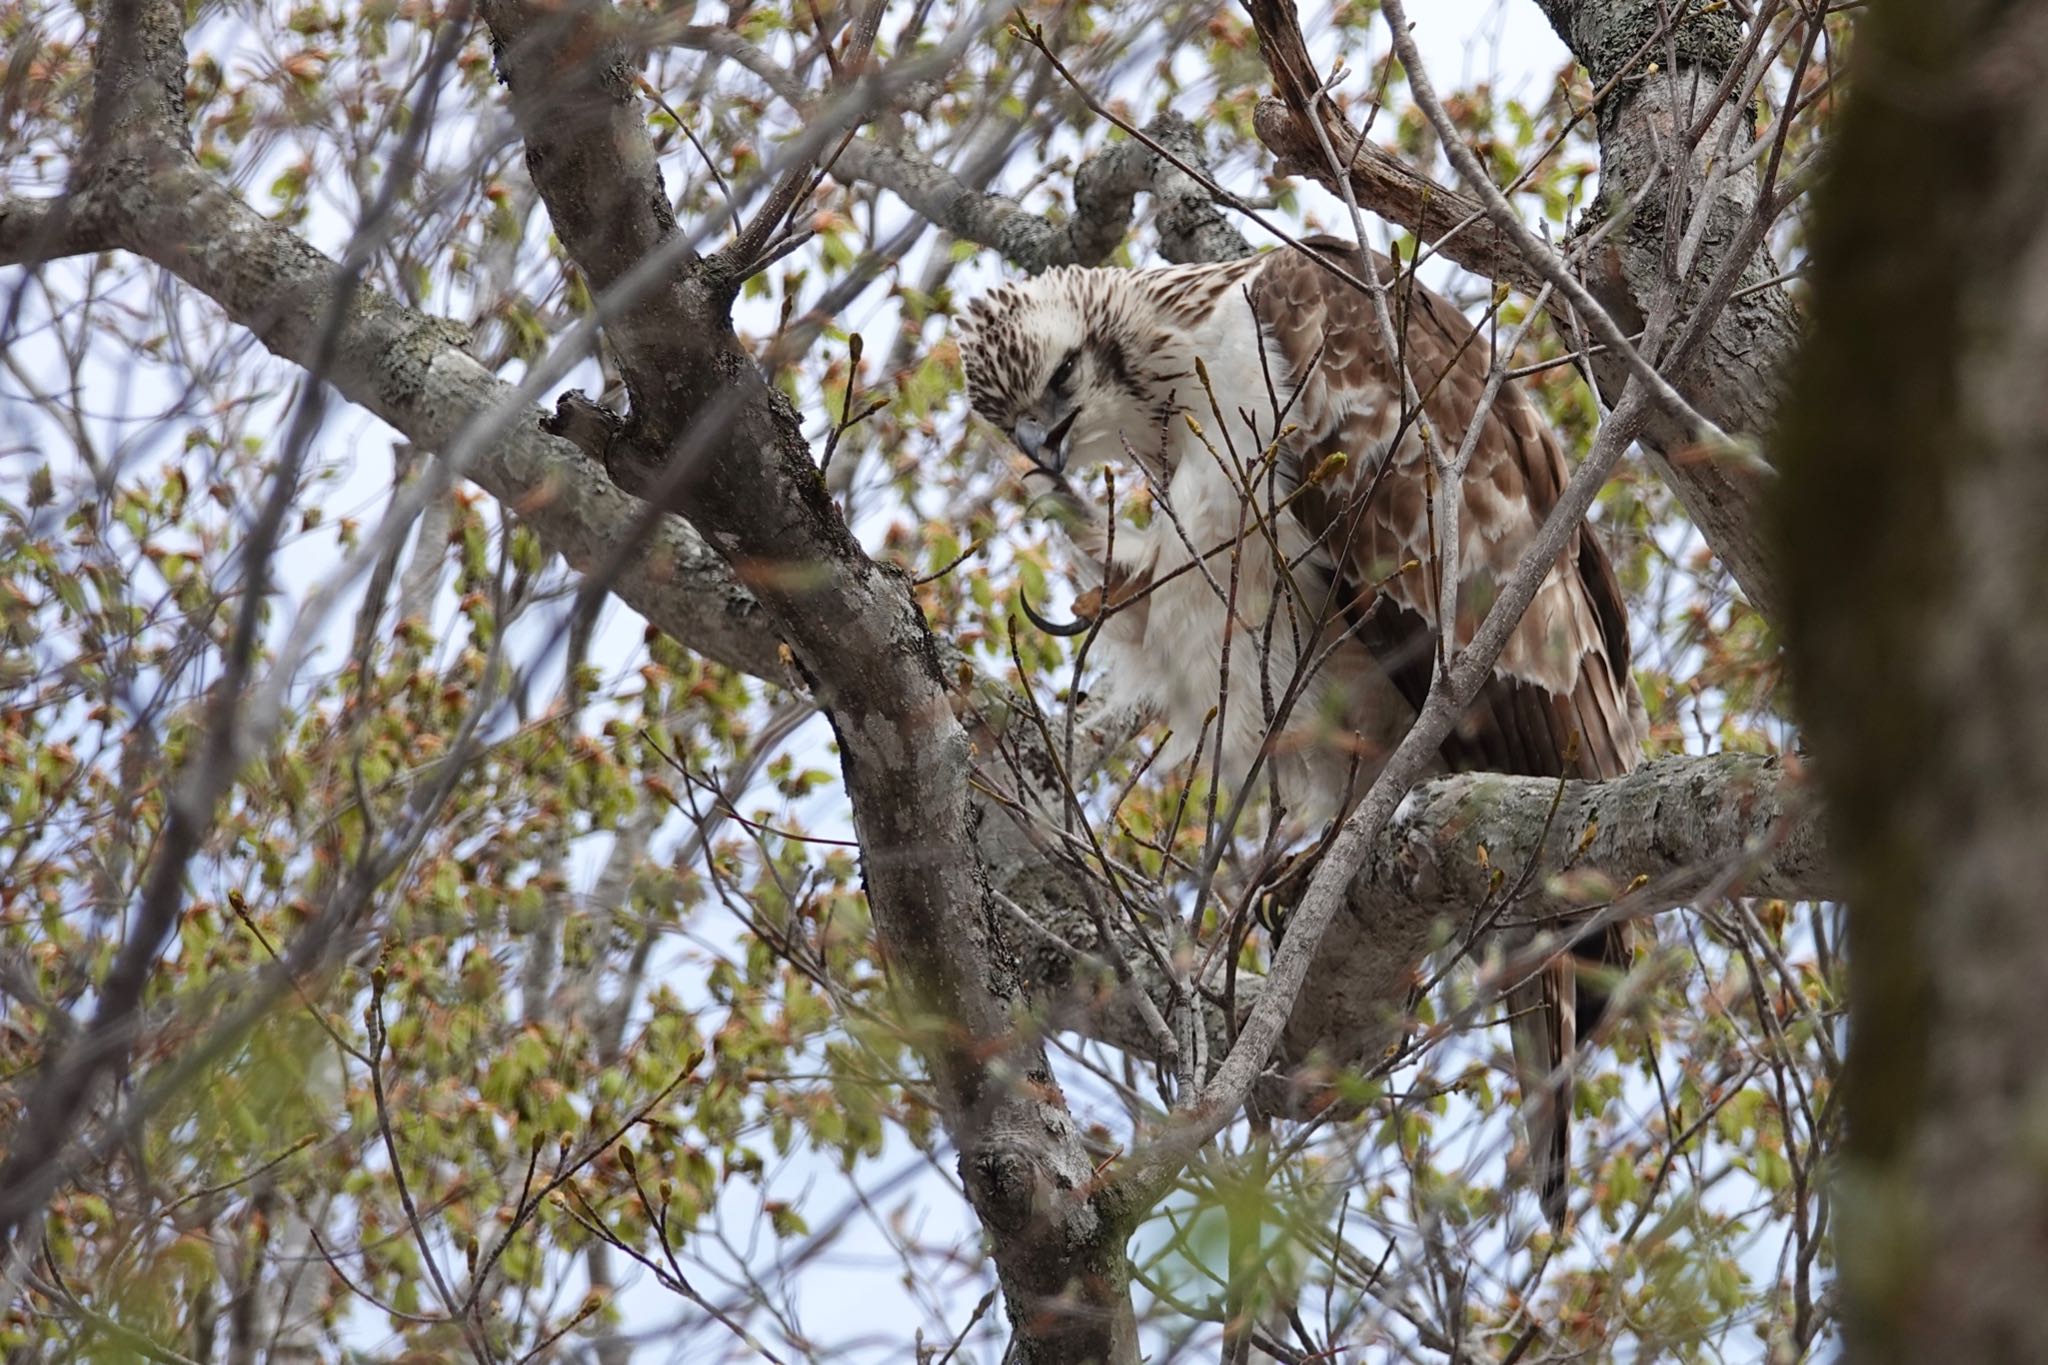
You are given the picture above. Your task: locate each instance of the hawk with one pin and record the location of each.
(1262, 572)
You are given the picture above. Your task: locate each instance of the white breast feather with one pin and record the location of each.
(1174, 663)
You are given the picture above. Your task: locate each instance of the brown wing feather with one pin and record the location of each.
(1561, 701)
(1571, 649)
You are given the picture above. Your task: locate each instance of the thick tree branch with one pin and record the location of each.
(1742, 824)
(1103, 209)
(33, 231)
(1644, 122)
(726, 449)
(138, 87)
(1287, 123)
(1738, 824)
(1105, 193)
(411, 370)
(587, 149)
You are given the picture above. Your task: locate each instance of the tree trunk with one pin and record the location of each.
(1916, 457)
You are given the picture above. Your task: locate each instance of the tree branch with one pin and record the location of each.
(1735, 378)
(1106, 185)
(138, 87)
(1731, 382)
(1456, 225)
(33, 231)
(1679, 826)
(411, 370)
(727, 450)
(1739, 823)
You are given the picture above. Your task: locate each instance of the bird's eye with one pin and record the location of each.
(1066, 369)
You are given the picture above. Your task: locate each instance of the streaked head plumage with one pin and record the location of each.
(1046, 360)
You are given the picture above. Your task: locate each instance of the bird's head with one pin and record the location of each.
(1049, 361)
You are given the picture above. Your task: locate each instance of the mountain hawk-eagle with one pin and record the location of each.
(1277, 607)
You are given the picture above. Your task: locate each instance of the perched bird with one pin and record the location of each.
(1267, 579)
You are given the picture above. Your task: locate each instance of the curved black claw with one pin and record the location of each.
(1048, 626)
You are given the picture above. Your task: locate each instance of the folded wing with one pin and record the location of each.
(1561, 701)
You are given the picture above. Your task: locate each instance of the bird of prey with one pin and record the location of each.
(1267, 579)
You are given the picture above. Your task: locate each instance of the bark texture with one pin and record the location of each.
(1676, 829)
(412, 370)
(1656, 839)
(1106, 187)
(1916, 493)
(710, 439)
(1667, 65)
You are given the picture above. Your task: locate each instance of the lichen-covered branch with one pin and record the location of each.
(1105, 194)
(1106, 185)
(1733, 824)
(34, 231)
(411, 370)
(1740, 824)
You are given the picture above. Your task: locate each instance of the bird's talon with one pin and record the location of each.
(1051, 627)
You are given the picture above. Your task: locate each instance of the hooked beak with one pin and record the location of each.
(1046, 449)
